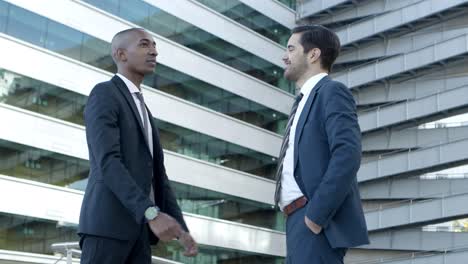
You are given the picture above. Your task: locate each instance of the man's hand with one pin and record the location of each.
(187, 241)
(165, 227)
(313, 226)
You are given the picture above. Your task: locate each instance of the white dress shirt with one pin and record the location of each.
(289, 189)
(133, 90)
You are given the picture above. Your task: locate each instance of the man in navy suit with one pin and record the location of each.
(128, 203)
(321, 152)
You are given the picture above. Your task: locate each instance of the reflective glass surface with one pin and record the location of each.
(213, 255)
(218, 205)
(251, 18)
(184, 33)
(26, 26)
(290, 3)
(3, 15)
(43, 98)
(40, 97)
(44, 166)
(191, 89)
(40, 165)
(80, 46)
(200, 146)
(34, 235)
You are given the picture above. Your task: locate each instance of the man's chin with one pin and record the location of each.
(148, 70)
(288, 76)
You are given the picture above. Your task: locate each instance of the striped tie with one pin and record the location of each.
(284, 147)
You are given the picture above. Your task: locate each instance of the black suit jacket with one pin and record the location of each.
(121, 167)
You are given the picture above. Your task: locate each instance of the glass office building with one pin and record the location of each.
(218, 96)
(221, 104)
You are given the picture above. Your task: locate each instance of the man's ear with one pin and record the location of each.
(313, 55)
(121, 55)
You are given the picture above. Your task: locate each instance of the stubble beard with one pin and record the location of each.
(290, 75)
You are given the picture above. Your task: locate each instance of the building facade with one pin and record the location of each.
(218, 96)
(405, 62)
(221, 104)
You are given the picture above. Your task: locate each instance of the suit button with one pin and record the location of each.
(150, 164)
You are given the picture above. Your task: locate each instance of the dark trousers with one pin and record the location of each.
(303, 246)
(102, 250)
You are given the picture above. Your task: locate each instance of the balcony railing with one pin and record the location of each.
(69, 250)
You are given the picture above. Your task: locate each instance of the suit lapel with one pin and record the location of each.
(126, 93)
(305, 114)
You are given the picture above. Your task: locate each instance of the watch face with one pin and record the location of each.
(151, 213)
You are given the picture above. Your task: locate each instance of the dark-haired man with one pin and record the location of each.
(128, 202)
(320, 155)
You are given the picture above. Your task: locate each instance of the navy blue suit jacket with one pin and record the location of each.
(121, 167)
(327, 156)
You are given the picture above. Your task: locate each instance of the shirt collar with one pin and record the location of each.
(311, 83)
(131, 87)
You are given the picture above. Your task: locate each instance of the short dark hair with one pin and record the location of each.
(320, 37)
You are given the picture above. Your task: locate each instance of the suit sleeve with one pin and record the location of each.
(171, 206)
(103, 136)
(344, 140)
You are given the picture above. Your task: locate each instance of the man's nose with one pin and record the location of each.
(153, 52)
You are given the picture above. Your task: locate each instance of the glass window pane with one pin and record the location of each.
(213, 255)
(44, 166)
(64, 40)
(3, 16)
(21, 233)
(200, 146)
(27, 26)
(290, 3)
(40, 165)
(134, 11)
(41, 97)
(201, 41)
(97, 53)
(161, 22)
(222, 206)
(111, 5)
(251, 18)
(35, 235)
(186, 87)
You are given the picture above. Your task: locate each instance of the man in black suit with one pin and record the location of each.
(128, 203)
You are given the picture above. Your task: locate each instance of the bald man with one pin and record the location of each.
(128, 203)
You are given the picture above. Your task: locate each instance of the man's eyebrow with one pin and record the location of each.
(147, 40)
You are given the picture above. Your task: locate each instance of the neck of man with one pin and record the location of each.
(306, 76)
(135, 78)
